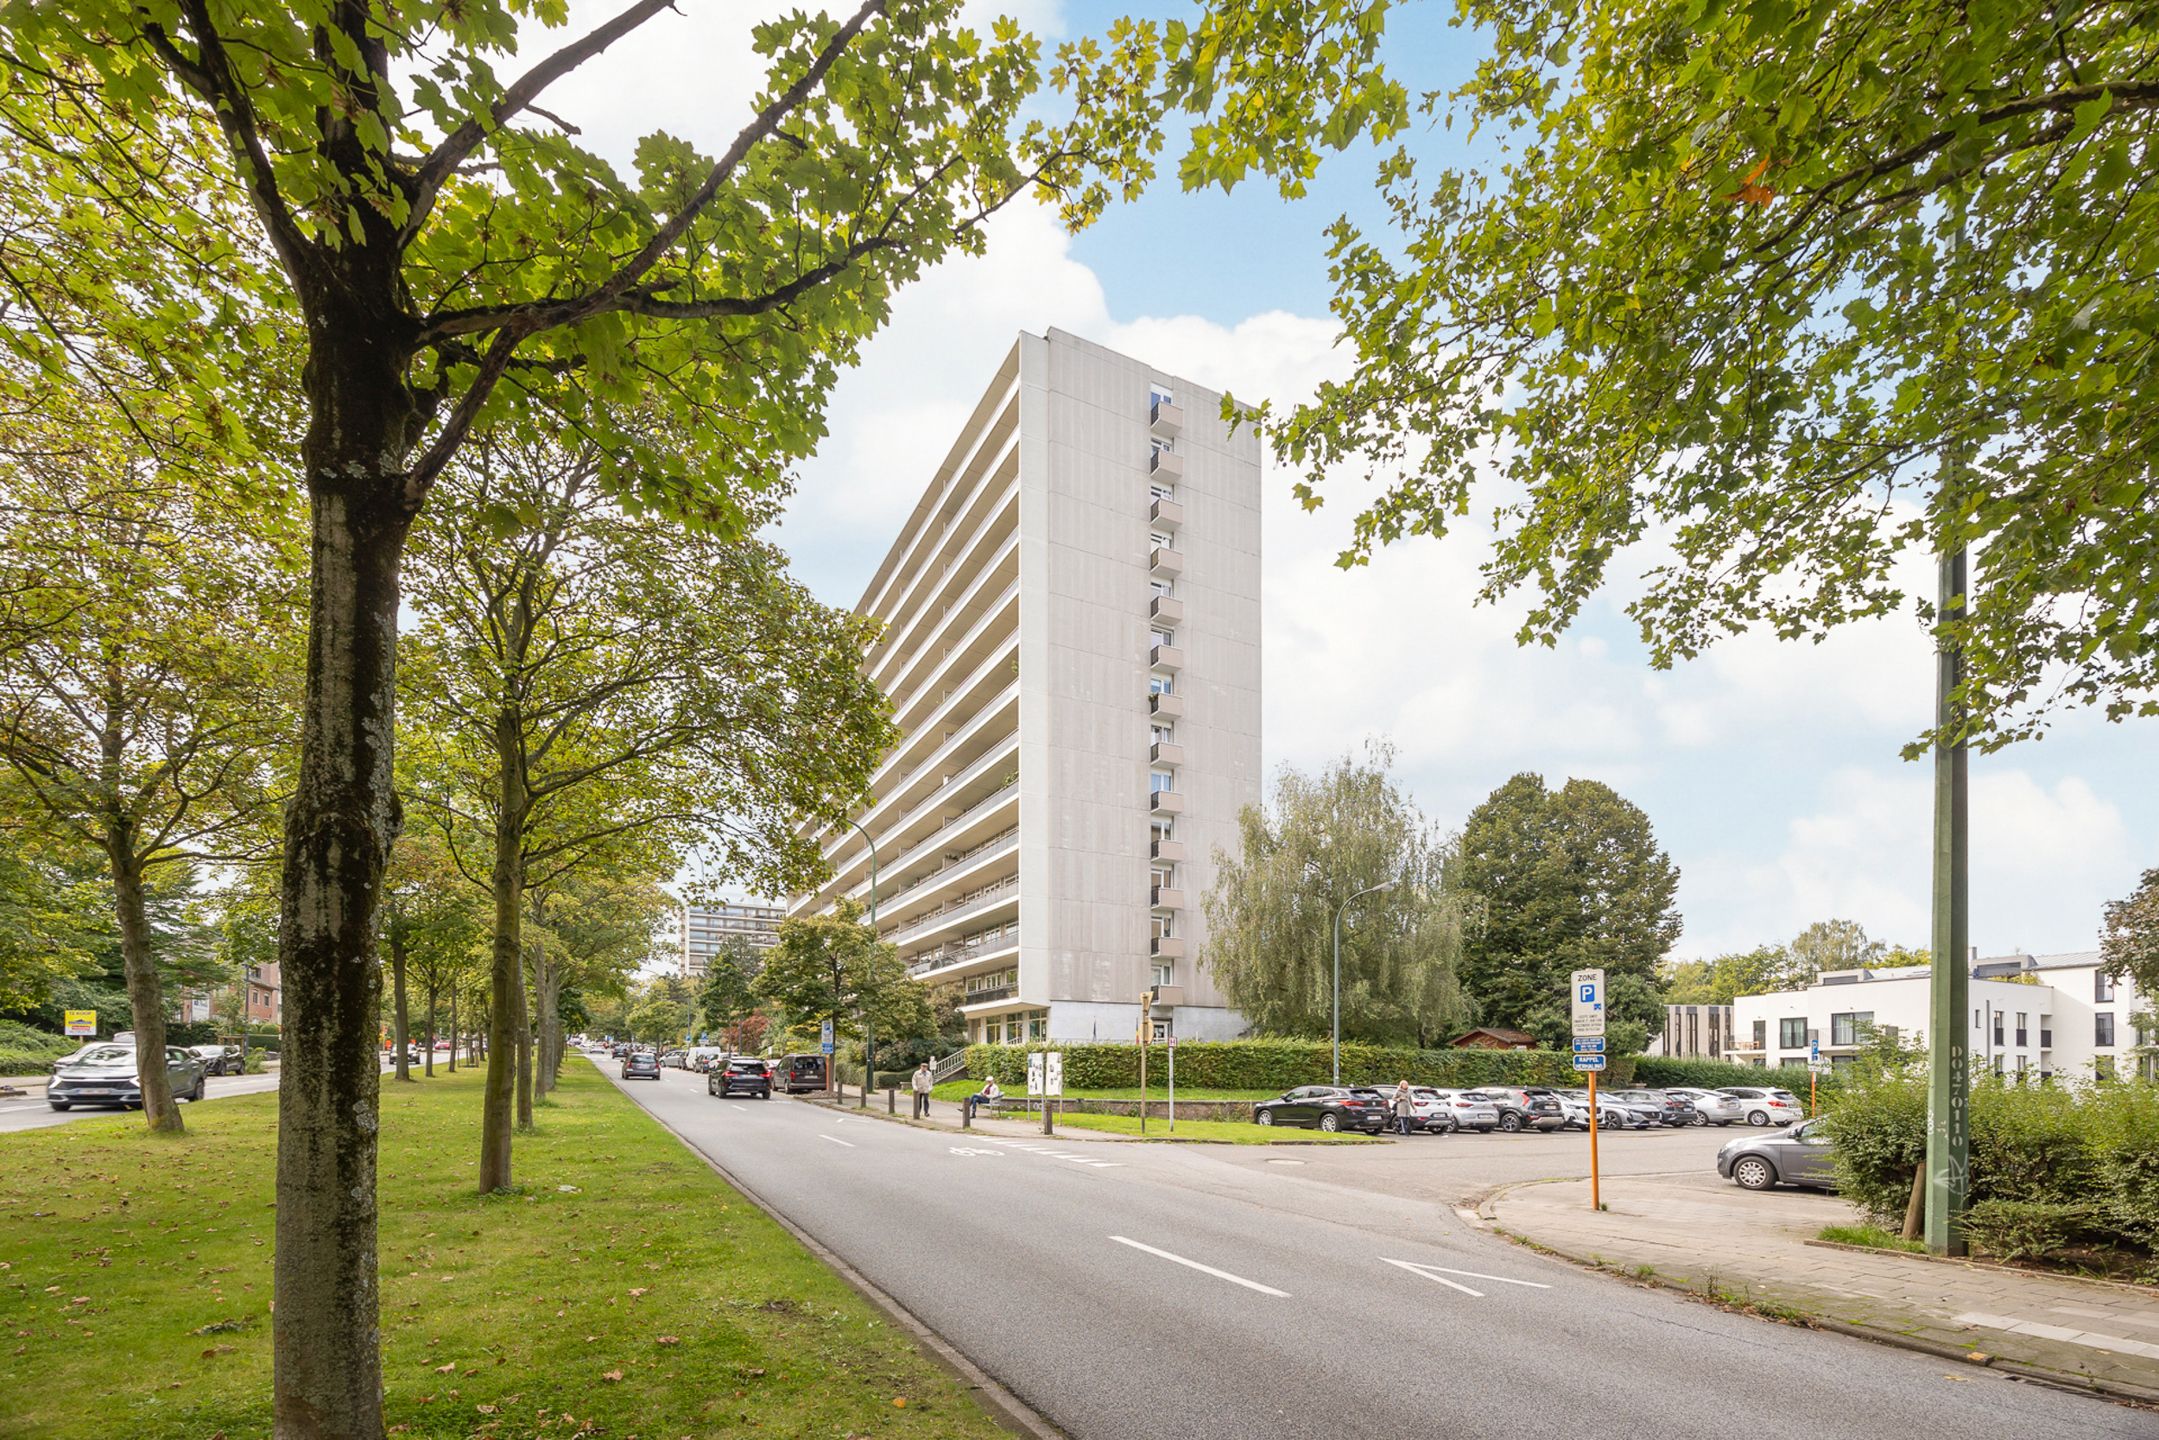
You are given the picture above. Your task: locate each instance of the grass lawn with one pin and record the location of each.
(1230, 1131)
(960, 1089)
(624, 1291)
(1874, 1237)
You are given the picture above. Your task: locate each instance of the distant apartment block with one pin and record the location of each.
(1694, 1032)
(2037, 1015)
(1072, 649)
(707, 929)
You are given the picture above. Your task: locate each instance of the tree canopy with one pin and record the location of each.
(1571, 879)
(1771, 294)
(2129, 940)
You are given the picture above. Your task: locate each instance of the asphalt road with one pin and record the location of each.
(1129, 1290)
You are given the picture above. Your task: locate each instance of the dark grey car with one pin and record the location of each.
(106, 1075)
(1796, 1155)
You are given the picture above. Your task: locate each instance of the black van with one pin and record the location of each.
(802, 1072)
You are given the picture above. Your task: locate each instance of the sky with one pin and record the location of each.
(1770, 770)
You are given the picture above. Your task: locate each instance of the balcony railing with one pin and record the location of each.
(1165, 417)
(1164, 705)
(1165, 752)
(1167, 947)
(959, 952)
(1167, 464)
(1168, 851)
(1168, 897)
(926, 846)
(1005, 840)
(1166, 802)
(1166, 513)
(1165, 563)
(989, 993)
(1166, 657)
(944, 914)
(1167, 609)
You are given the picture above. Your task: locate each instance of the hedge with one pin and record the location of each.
(2045, 1159)
(1281, 1064)
(26, 1050)
(1657, 1070)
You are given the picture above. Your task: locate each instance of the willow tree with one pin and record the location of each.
(600, 685)
(455, 255)
(1313, 859)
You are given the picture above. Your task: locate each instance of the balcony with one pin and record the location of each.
(1003, 892)
(988, 995)
(1166, 465)
(1167, 947)
(1166, 514)
(994, 944)
(1165, 657)
(1166, 610)
(1162, 705)
(1166, 802)
(1167, 898)
(1165, 418)
(1165, 752)
(1169, 852)
(1165, 563)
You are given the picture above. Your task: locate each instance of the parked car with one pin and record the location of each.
(1669, 1107)
(1428, 1112)
(1520, 1110)
(1574, 1111)
(1765, 1106)
(799, 1073)
(1795, 1155)
(742, 1075)
(219, 1059)
(1469, 1110)
(1711, 1107)
(1326, 1107)
(107, 1075)
(641, 1065)
(1618, 1114)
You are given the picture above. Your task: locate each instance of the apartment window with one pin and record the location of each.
(1161, 539)
(1793, 1062)
(1161, 879)
(1160, 587)
(1162, 734)
(2021, 1034)
(1161, 446)
(1164, 637)
(2102, 1029)
(1997, 1027)
(2103, 1066)
(1792, 1033)
(1158, 1030)
(2102, 987)
(1160, 491)
(1038, 1027)
(1160, 395)
(1161, 925)
(1845, 1029)
(1997, 1064)
(2020, 1064)
(1761, 1033)
(1159, 781)
(2046, 1031)
(1158, 684)
(1162, 973)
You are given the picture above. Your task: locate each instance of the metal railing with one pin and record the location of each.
(981, 899)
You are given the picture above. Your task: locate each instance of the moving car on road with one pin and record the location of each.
(742, 1075)
(1796, 1155)
(106, 1075)
(1326, 1107)
(1766, 1106)
(799, 1073)
(641, 1065)
(219, 1059)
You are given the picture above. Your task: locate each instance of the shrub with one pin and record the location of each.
(2124, 1176)
(1281, 1064)
(28, 1051)
(1879, 1125)
(1716, 1074)
(2017, 1229)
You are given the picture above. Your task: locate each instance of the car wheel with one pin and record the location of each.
(1757, 1117)
(1754, 1173)
(1265, 1117)
(1700, 1118)
(63, 1105)
(201, 1086)
(1510, 1122)
(1329, 1123)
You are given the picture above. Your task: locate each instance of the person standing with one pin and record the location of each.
(922, 1091)
(1405, 1108)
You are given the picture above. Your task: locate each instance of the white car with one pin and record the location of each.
(1463, 1113)
(1764, 1106)
(1711, 1107)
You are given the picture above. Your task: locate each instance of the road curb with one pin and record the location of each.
(1968, 1263)
(2117, 1391)
(1077, 1134)
(1006, 1408)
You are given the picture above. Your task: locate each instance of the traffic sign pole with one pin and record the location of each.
(1585, 996)
(1596, 1202)
(1173, 1084)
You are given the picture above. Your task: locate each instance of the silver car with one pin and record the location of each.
(1767, 1106)
(1796, 1155)
(106, 1075)
(1467, 1111)
(1711, 1107)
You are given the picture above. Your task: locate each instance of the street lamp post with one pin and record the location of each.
(869, 1031)
(1367, 890)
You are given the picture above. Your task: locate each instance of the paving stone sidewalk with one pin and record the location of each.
(1705, 1234)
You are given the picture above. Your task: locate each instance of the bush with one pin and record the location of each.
(1657, 1070)
(28, 1051)
(1281, 1064)
(2019, 1229)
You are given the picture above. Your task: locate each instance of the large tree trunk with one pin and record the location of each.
(339, 827)
(427, 1060)
(398, 1030)
(454, 1033)
(524, 1051)
(506, 975)
(145, 996)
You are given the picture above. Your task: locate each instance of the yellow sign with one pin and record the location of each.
(81, 1022)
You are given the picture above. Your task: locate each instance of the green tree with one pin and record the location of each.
(1759, 971)
(594, 680)
(833, 967)
(49, 922)
(1570, 879)
(433, 928)
(2129, 938)
(456, 255)
(656, 1021)
(593, 929)
(1786, 292)
(1829, 945)
(724, 996)
(1271, 912)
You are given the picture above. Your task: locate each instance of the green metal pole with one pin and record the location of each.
(1338, 991)
(869, 1031)
(1949, 1079)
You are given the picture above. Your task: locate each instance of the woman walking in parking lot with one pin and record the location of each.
(1405, 1108)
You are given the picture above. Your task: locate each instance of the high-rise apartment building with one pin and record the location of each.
(706, 929)
(1072, 649)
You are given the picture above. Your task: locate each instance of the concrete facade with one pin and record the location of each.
(707, 928)
(1072, 648)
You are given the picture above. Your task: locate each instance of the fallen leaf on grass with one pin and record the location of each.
(449, 1369)
(612, 1375)
(485, 1409)
(670, 1340)
(216, 1350)
(637, 1292)
(899, 1402)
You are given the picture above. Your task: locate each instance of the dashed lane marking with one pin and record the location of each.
(1439, 1273)
(838, 1141)
(1203, 1269)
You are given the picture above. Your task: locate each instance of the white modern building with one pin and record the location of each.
(1072, 648)
(2042, 1015)
(708, 929)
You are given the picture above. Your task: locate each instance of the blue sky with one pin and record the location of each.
(1770, 771)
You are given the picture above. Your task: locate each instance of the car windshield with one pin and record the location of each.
(106, 1055)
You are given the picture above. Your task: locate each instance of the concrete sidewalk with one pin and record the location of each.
(1700, 1233)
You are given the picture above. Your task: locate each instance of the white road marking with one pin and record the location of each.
(741, 1107)
(1415, 1269)
(970, 1150)
(838, 1141)
(1285, 1162)
(1427, 1272)
(1204, 1269)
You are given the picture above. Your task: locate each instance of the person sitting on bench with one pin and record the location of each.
(989, 1094)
